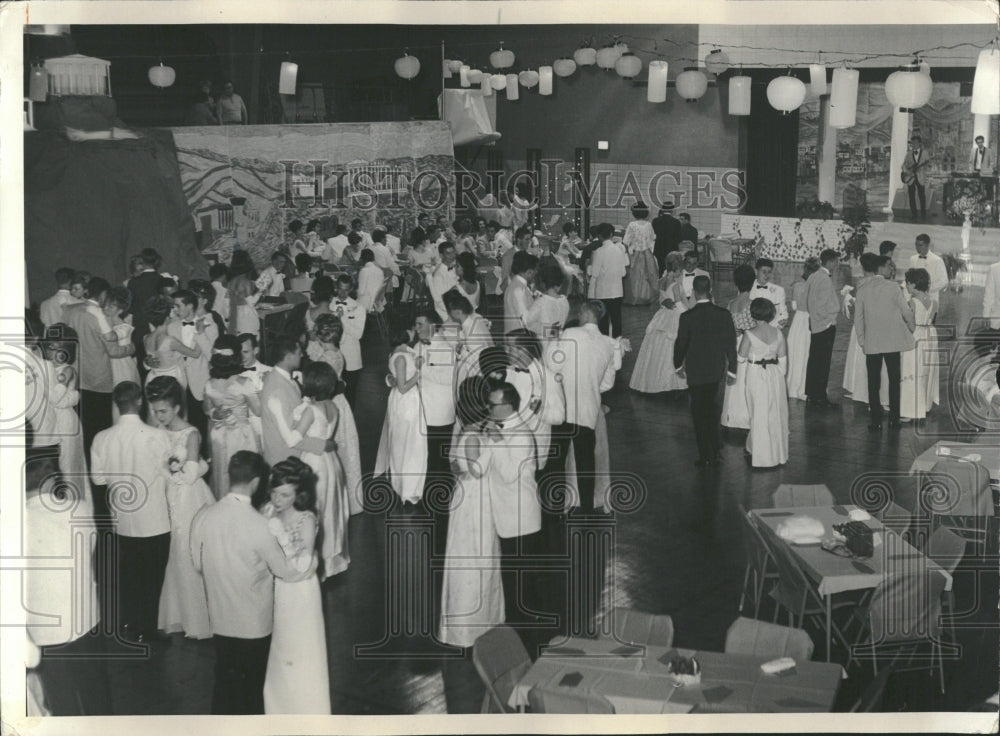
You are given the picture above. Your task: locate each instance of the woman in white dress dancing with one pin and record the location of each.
(735, 412)
(918, 386)
(652, 372)
(799, 336)
(297, 680)
(763, 353)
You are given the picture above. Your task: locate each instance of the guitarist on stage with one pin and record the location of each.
(914, 177)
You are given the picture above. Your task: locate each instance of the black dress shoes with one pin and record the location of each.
(875, 427)
(825, 403)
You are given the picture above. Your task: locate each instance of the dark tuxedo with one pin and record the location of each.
(706, 347)
(668, 235)
(142, 288)
(690, 232)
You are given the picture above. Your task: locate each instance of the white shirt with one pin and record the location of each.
(991, 298)
(608, 266)
(352, 316)
(366, 239)
(277, 281)
(60, 590)
(441, 280)
(587, 361)
(335, 248)
(50, 311)
(384, 258)
(934, 266)
(370, 280)
(547, 315)
(774, 294)
(131, 458)
(221, 304)
(393, 244)
(687, 280)
(517, 300)
(437, 381)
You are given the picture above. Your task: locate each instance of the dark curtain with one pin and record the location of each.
(771, 149)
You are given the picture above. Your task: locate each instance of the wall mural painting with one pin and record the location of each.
(245, 185)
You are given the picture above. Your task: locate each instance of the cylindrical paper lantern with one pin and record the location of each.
(817, 79)
(528, 78)
(786, 93)
(585, 56)
(512, 91)
(908, 89)
(161, 76)
(628, 66)
(502, 58)
(463, 76)
(739, 95)
(544, 80)
(656, 91)
(986, 83)
(844, 98)
(487, 85)
(475, 76)
(717, 61)
(607, 57)
(691, 83)
(498, 81)
(446, 68)
(563, 67)
(290, 72)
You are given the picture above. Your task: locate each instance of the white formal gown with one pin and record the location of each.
(799, 338)
(767, 401)
(918, 386)
(402, 450)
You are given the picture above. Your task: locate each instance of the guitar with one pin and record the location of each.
(910, 175)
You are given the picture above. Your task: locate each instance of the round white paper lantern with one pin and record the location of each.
(162, 76)
(454, 65)
(691, 83)
(407, 66)
(908, 89)
(528, 78)
(817, 79)
(563, 67)
(717, 61)
(786, 93)
(498, 81)
(607, 57)
(986, 83)
(622, 48)
(502, 58)
(656, 91)
(475, 76)
(512, 88)
(628, 66)
(739, 95)
(844, 98)
(544, 80)
(585, 56)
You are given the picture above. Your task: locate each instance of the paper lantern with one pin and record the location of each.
(622, 48)
(38, 83)
(161, 76)
(289, 73)
(563, 67)
(512, 91)
(475, 76)
(986, 83)
(454, 65)
(925, 68)
(739, 95)
(691, 83)
(817, 79)
(463, 75)
(502, 58)
(628, 66)
(844, 98)
(585, 56)
(407, 66)
(498, 81)
(908, 89)
(446, 68)
(717, 61)
(786, 93)
(528, 78)
(487, 85)
(544, 80)
(607, 57)
(656, 91)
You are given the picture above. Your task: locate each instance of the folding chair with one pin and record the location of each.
(788, 495)
(641, 628)
(501, 661)
(554, 699)
(946, 549)
(760, 564)
(958, 495)
(749, 636)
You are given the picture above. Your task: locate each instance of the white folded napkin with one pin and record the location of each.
(777, 665)
(798, 527)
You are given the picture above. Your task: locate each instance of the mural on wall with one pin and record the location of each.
(944, 124)
(245, 184)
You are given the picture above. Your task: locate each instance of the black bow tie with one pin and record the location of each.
(188, 324)
(760, 286)
(922, 258)
(688, 274)
(252, 368)
(520, 370)
(425, 342)
(343, 303)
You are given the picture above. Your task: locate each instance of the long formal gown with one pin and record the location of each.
(124, 369)
(230, 433)
(767, 400)
(799, 338)
(641, 278)
(402, 450)
(56, 421)
(349, 453)
(331, 491)
(654, 366)
(472, 600)
(298, 678)
(735, 412)
(183, 605)
(918, 386)
(171, 363)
